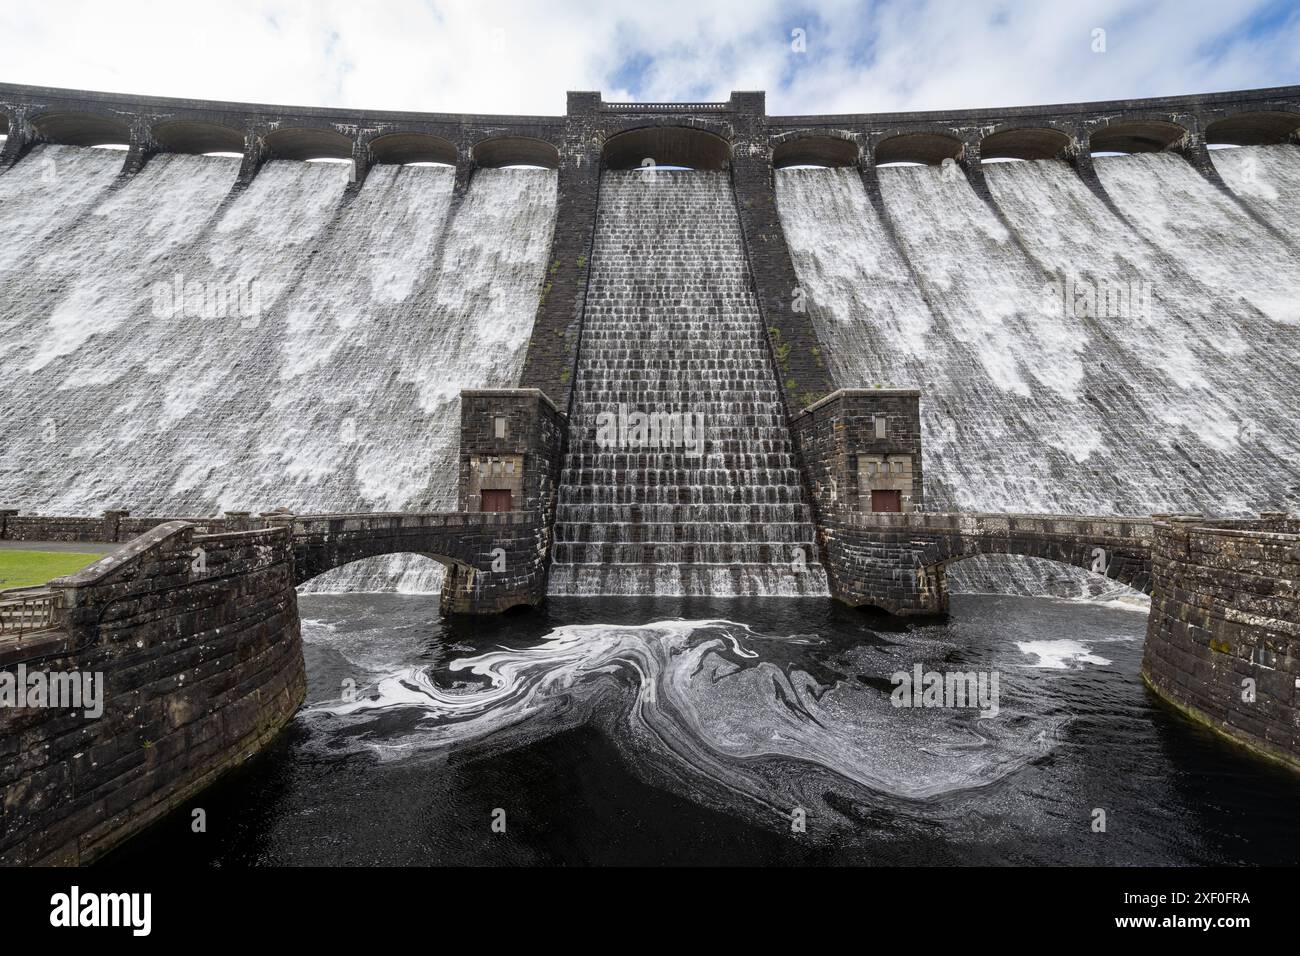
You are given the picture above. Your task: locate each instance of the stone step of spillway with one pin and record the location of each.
(680, 475)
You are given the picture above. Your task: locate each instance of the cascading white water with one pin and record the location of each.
(1267, 180)
(313, 360)
(1027, 406)
(329, 378)
(671, 327)
(49, 190)
(1206, 231)
(467, 327)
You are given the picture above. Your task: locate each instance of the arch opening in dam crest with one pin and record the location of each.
(1024, 143)
(917, 148)
(405, 149)
(1135, 136)
(821, 150)
(197, 137)
(503, 151)
(682, 146)
(307, 143)
(1262, 128)
(82, 129)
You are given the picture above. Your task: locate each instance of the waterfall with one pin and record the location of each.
(1267, 180)
(173, 344)
(174, 347)
(45, 193)
(1034, 403)
(1205, 231)
(468, 329)
(672, 330)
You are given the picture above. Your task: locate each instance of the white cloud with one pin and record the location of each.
(506, 57)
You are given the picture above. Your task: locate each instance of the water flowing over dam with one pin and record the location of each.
(314, 363)
(672, 327)
(192, 334)
(1027, 406)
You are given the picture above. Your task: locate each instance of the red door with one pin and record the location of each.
(495, 501)
(884, 500)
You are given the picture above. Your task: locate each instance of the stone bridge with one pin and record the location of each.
(493, 559)
(897, 561)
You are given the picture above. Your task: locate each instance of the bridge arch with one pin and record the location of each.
(307, 142)
(399, 149)
(491, 557)
(815, 148)
(1025, 142)
(1261, 128)
(1127, 563)
(499, 151)
(82, 129)
(309, 575)
(313, 562)
(682, 145)
(197, 137)
(930, 148)
(1135, 136)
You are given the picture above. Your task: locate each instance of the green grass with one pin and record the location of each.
(24, 569)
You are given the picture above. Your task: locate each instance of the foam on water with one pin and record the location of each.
(703, 696)
(1060, 655)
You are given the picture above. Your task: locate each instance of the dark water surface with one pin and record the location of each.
(684, 731)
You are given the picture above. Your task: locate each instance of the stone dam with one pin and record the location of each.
(639, 348)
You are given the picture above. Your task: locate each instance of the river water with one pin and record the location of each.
(702, 730)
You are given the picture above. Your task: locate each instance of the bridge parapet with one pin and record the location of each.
(494, 560)
(977, 523)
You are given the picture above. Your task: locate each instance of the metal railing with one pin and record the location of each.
(22, 612)
(663, 107)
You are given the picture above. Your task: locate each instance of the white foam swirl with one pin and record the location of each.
(707, 703)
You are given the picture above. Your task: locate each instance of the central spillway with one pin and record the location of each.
(672, 327)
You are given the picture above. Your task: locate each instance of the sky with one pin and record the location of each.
(485, 56)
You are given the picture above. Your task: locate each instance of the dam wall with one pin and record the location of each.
(410, 347)
(183, 341)
(378, 288)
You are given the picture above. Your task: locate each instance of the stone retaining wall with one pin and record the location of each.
(197, 638)
(1223, 638)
